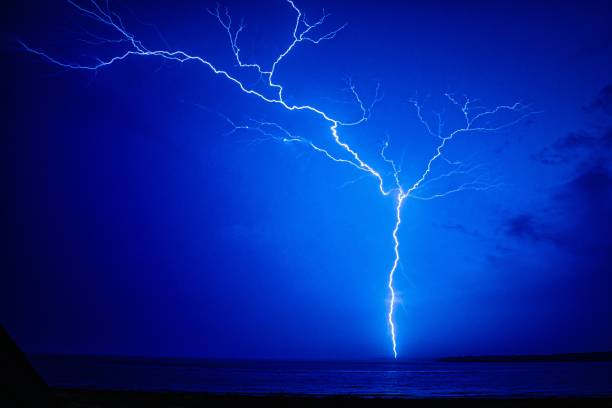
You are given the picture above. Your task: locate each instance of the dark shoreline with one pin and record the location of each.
(76, 398)
(26, 388)
(588, 357)
(594, 357)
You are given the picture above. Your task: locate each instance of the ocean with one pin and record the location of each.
(365, 379)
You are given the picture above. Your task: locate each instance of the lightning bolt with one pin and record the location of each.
(304, 32)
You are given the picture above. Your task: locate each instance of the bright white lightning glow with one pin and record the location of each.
(303, 32)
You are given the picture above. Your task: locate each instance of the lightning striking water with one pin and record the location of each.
(304, 32)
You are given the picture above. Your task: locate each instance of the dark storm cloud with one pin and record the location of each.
(594, 143)
(578, 216)
(524, 226)
(584, 208)
(566, 148)
(583, 140)
(574, 230)
(592, 186)
(603, 101)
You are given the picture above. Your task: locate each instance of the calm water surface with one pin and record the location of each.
(424, 379)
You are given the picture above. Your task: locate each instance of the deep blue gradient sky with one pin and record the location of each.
(134, 224)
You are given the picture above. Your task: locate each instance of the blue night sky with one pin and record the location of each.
(136, 222)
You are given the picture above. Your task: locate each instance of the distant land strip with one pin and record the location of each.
(533, 358)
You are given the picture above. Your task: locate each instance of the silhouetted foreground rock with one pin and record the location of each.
(22, 387)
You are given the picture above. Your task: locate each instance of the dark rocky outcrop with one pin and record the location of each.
(22, 387)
